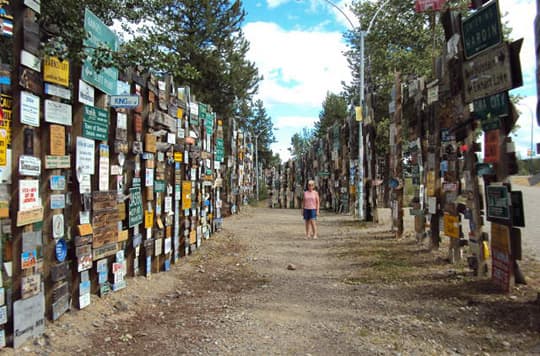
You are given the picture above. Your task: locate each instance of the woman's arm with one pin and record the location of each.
(318, 203)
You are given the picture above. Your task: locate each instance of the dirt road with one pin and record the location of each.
(354, 291)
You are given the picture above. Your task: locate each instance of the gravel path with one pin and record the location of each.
(259, 288)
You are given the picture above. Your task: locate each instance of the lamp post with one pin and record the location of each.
(363, 34)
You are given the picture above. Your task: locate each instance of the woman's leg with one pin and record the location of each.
(307, 227)
(314, 227)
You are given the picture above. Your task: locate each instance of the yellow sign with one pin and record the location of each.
(178, 157)
(56, 71)
(85, 229)
(359, 116)
(179, 113)
(193, 237)
(122, 235)
(3, 150)
(186, 195)
(6, 103)
(430, 189)
(500, 237)
(451, 226)
(148, 219)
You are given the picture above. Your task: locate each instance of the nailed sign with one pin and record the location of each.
(135, 207)
(487, 74)
(56, 71)
(498, 202)
(482, 30)
(124, 101)
(99, 35)
(95, 123)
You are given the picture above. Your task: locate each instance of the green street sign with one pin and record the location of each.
(95, 123)
(490, 109)
(99, 35)
(220, 150)
(324, 174)
(135, 207)
(159, 186)
(482, 30)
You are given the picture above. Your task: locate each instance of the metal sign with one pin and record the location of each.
(482, 30)
(29, 166)
(98, 34)
(124, 101)
(95, 123)
(428, 5)
(490, 109)
(488, 73)
(498, 202)
(135, 207)
(28, 319)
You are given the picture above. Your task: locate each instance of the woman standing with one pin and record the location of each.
(310, 205)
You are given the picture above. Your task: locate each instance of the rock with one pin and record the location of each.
(107, 339)
(121, 306)
(291, 267)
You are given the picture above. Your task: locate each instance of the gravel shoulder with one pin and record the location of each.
(354, 291)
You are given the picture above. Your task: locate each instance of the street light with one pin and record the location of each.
(363, 34)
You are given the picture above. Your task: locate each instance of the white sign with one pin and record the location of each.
(58, 91)
(86, 93)
(58, 226)
(57, 113)
(29, 109)
(84, 300)
(85, 156)
(30, 61)
(29, 166)
(34, 5)
(121, 121)
(124, 101)
(29, 194)
(58, 201)
(28, 319)
(149, 177)
(103, 168)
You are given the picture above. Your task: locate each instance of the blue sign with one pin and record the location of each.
(61, 250)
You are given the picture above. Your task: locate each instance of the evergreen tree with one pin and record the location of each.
(334, 110)
(261, 126)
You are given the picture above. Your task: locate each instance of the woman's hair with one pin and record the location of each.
(311, 181)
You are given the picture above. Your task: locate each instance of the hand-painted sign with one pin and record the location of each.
(58, 113)
(85, 156)
(28, 319)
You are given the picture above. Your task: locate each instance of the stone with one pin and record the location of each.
(291, 267)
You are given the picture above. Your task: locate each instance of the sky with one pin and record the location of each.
(298, 47)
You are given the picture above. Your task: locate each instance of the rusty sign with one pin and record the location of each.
(488, 73)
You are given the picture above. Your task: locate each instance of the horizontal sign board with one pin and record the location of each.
(124, 101)
(487, 74)
(482, 30)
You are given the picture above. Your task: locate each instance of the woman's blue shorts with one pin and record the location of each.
(310, 214)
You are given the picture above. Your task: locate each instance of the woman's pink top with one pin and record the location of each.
(311, 200)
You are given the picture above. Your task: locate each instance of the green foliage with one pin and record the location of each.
(301, 143)
(260, 125)
(334, 111)
(199, 42)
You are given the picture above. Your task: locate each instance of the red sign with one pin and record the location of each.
(428, 5)
(492, 146)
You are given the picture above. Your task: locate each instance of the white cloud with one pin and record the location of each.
(520, 17)
(276, 3)
(299, 67)
(295, 122)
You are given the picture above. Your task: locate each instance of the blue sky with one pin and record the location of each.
(298, 47)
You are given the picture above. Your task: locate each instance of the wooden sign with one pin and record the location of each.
(57, 146)
(30, 285)
(85, 229)
(26, 217)
(150, 143)
(104, 251)
(186, 195)
(451, 226)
